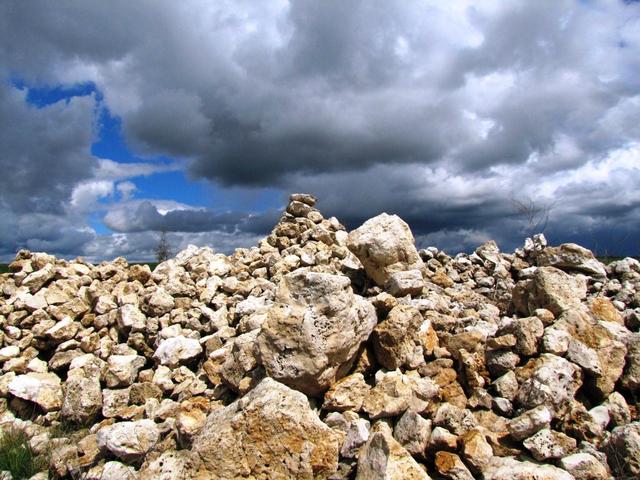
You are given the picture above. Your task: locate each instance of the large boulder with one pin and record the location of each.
(271, 432)
(552, 289)
(571, 257)
(314, 330)
(384, 245)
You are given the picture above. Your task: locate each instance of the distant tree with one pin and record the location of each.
(163, 249)
(536, 214)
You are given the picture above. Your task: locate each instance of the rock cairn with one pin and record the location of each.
(326, 354)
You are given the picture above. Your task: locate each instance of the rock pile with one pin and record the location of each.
(327, 354)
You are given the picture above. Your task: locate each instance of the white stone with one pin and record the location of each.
(129, 441)
(176, 350)
(43, 389)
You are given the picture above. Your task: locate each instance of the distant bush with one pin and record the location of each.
(16, 455)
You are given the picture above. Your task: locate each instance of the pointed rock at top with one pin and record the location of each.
(303, 198)
(385, 245)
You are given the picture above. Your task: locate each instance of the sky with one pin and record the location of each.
(121, 119)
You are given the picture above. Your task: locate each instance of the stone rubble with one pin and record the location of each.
(328, 354)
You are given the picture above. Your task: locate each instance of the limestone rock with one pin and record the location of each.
(476, 450)
(413, 432)
(584, 466)
(631, 377)
(117, 471)
(82, 396)
(176, 350)
(122, 370)
(548, 380)
(451, 466)
(507, 468)
(555, 290)
(43, 389)
(129, 441)
(347, 394)
(314, 330)
(572, 257)
(356, 435)
(530, 422)
(403, 339)
(171, 465)
(395, 392)
(548, 445)
(384, 245)
(281, 437)
(383, 458)
(623, 450)
(403, 283)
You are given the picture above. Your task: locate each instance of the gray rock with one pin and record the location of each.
(623, 450)
(383, 458)
(413, 432)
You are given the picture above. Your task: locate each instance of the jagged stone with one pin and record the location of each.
(413, 432)
(383, 458)
(530, 422)
(280, 436)
(476, 450)
(43, 389)
(314, 330)
(572, 257)
(385, 245)
(548, 444)
(547, 380)
(451, 466)
(551, 289)
(403, 339)
(623, 450)
(584, 466)
(347, 394)
(176, 350)
(507, 468)
(356, 435)
(129, 441)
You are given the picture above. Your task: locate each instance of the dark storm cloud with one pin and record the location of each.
(44, 152)
(442, 112)
(144, 216)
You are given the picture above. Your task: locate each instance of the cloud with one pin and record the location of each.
(145, 215)
(438, 111)
(44, 151)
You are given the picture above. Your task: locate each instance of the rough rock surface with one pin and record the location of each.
(384, 245)
(321, 353)
(383, 458)
(314, 330)
(270, 433)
